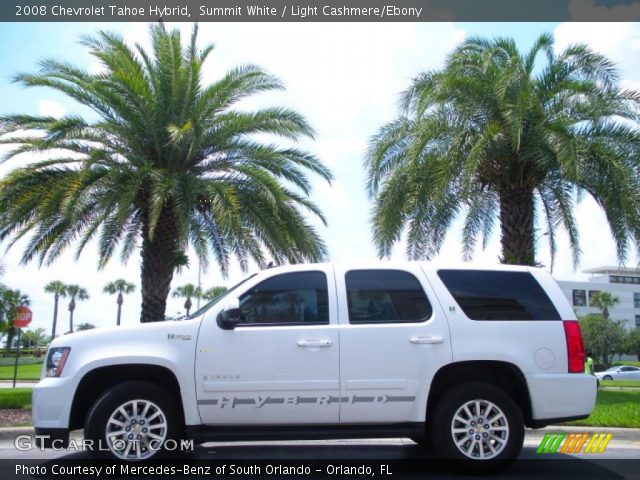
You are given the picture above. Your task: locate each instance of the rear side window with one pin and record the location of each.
(385, 296)
(491, 295)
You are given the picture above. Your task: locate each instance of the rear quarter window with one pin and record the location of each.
(495, 295)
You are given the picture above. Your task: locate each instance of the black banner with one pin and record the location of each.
(314, 469)
(317, 11)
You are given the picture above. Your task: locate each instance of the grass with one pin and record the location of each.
(15, 398)
(620, 383)
(633, 364)
(25, 372)
(614, 409)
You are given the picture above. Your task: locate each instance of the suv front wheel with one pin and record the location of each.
(478, 424)
(132, 421)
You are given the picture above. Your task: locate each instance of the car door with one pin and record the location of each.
(629, 373)
(393, 338)
(280, 364)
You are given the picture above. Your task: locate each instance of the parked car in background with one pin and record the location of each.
(621, 372)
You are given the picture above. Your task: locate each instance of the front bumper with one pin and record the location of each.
(51, 403)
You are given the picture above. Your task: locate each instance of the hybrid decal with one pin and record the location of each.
(260, 401)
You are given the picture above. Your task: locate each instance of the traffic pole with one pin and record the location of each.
(15, 367)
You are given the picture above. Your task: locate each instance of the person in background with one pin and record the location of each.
(588, 365)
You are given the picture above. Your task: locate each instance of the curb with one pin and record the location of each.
(10, 433)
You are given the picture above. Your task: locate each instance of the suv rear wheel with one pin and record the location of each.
(133, 420)
(478, 424)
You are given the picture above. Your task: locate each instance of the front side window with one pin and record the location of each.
(385, 296)
(579, 298)
(498, 295)
(296, 298)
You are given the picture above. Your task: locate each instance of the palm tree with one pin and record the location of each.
(75, 292)
(59, 290)
(170, 163)
(604, 301)
(120, 286)
(213, 292)
(11, 299)
(187, 291)
(501, 134)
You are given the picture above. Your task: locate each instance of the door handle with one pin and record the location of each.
(427, 340)
(314, 343)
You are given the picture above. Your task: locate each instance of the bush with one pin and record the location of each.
(26, 360)
(633, 364)
(603, 337)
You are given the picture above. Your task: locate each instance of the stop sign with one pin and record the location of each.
(23, 317)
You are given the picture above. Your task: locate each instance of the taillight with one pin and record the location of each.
(575, 347)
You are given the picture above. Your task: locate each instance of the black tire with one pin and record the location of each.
(607, 378)
(507, 429)
(159, 404)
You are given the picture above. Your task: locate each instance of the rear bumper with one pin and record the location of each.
(561, 397)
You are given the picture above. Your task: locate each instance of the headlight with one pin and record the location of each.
(56, 360)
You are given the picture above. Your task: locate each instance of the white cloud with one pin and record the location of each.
(49, 108)
(618, 41)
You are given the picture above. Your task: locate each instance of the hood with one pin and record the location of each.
(144, 331)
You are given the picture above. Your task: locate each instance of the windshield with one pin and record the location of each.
(207, 306)
(612, 369)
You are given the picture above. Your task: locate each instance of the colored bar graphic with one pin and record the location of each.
(574, 443)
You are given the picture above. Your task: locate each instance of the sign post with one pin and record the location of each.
(22, 319)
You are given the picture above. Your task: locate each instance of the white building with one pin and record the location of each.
(623, 283)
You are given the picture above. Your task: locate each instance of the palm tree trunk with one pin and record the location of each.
(517, 227)
(72, 307)
(119, 311)
(187, 306)
(158, 263)
(55, 315)
(11, 333)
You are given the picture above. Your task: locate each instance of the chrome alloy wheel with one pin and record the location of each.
(480, 430)
(136, 430)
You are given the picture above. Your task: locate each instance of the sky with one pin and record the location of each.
(346, 80)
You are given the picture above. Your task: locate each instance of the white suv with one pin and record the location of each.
(464, 356)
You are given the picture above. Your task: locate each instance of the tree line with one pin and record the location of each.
(11, 299)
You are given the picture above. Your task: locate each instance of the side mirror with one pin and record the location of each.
(230, 315)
